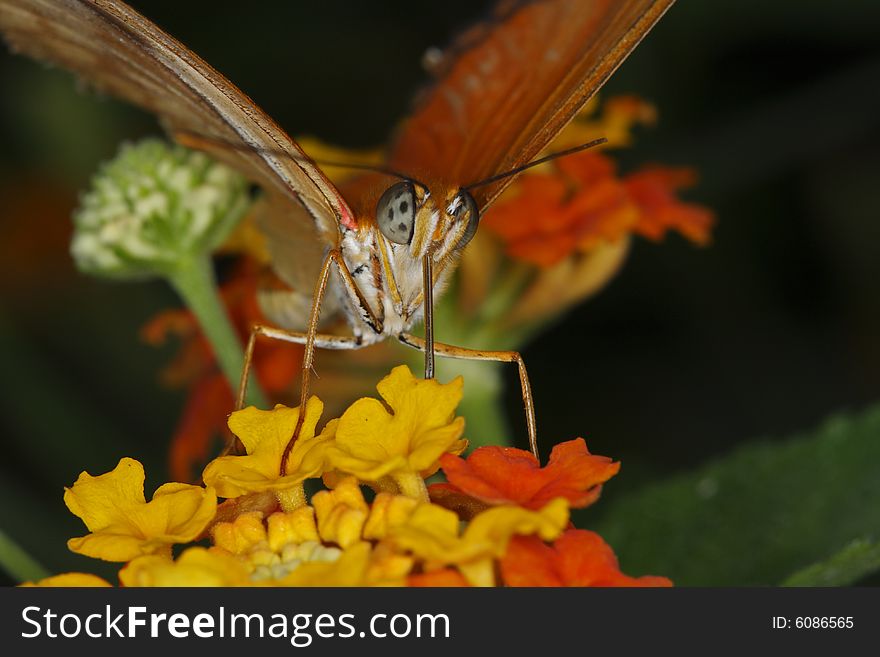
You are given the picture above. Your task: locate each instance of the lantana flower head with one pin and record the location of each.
(153, 207)
(270, 532)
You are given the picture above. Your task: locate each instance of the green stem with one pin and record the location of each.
(194, 281)
(512, 282)
(18, 563)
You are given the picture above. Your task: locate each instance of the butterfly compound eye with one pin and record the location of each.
(464, 208)
(396, 212)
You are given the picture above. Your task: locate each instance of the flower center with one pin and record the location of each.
(271, 565)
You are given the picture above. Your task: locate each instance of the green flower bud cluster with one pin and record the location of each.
(153, 208)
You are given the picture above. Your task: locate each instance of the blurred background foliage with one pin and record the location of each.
(688, 356)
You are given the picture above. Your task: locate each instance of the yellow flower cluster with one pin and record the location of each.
(267, 531)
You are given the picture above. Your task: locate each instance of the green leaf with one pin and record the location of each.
(754, 517)
(859, 558)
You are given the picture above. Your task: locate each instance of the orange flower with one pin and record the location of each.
(574, 208)
(210, 400)
(582, 203)
(505, 475)
(577, 558)
(653, 189)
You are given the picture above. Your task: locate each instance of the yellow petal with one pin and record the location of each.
(70, 579)
(107, 499)
(111, 546)
(419, 403)
(124, 526)
(431, 533)
(620, 114)
(372, 443)
(265, 435)
(178, 513)
(197, 566)
(497, 525)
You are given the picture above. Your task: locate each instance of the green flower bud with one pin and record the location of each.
(153, 207)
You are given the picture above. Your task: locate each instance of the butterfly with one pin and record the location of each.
(378, 256)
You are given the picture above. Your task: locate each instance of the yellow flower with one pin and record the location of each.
(265, 435)
(197, 566)
(405, 443)
(124, 525)
(432, 533)
(70, 579)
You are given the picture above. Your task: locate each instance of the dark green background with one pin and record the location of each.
(688, 353)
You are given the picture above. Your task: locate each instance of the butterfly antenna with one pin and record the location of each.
(197, 141)
(534, 163)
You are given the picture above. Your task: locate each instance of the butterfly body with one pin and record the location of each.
(390, 272)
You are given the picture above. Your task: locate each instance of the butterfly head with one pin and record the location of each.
(408, 214)
(413, 224)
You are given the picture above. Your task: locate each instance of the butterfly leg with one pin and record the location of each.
(450, 351)
(297, 337)
(374, 321)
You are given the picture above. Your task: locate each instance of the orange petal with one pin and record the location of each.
(505, 475)
(585, 559)
(653, 189)
(582, 204)
(577, 558)
(529, 209)
(529, 562)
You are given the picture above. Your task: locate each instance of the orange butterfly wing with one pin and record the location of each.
(507, 87)
(115, 49)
